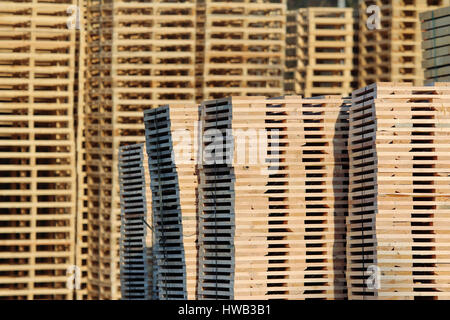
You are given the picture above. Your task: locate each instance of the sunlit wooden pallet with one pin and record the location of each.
(399, 192)
(171, 146)
(243, 48)
(325, 51)
(254, 238)
(37, 150)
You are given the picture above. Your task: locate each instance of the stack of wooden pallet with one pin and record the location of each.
(391, 50)
(171, 146)
(139, 55)
(436, 44)
(243, 48)
(135, 235)
(265, 230)
(82, 233)
(37, 150)
(398, 237)
(325, 51)
(291, 59)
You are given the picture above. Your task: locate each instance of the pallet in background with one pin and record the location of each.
(37, 150)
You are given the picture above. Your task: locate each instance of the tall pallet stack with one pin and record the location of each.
(171, 142)
(326, 40)
(136, 259)
(436, 44)
(243, 43)
(78, 22)
(398, 234)
(393, 52)
(264, 232)
(140, 55)
(37, 150)
(291, 58)
(321, 58)
(324, 176)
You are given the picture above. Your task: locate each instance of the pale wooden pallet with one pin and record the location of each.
(265, 249)
(399, 192)
(325, 51)
(131, 65)
(243, 48)
(392, 53)
(136, 259)
(169, 131)
(37, 158)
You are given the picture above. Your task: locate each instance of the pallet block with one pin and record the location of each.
(136, 258)
(436, 44)
(242, 45)
(393, 52)
(264, 232)
(321, 58)
(37, 150)
(139, 55)
(171, 140)
(399, 192)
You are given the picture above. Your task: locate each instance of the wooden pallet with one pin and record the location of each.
(81, 257)
(324, 51)
(436, 45)
(136, 259)
(243, 48)
(139, 56)
(392, 53)
(37, 150)
(291, 60)
(399, 192)
(257, 238)
(171, 141)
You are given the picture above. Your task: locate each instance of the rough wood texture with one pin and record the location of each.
(136, 259)
(171, 140)
(399, 192)
(436, 44)
(140, 55)
(393, 53)
(37, 150)
(320, 59)
(265, 230)
(243, 48)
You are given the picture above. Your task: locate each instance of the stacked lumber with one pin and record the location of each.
(325, 51)
(398, 237)
(243, 48)
(139, 55)
(266, 231)
(393, 52)
(171, 140)
(436, 44)
(37, 150)
(136, 220)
